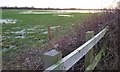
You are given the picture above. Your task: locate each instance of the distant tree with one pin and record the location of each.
(16, 7)
(32, 7)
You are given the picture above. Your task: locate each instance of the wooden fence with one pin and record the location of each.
(53, 59)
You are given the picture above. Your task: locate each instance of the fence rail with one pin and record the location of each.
(67, 62)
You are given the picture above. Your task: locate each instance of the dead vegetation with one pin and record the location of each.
(96, 23)
(68, 43)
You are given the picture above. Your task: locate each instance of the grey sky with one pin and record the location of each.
(60, 3)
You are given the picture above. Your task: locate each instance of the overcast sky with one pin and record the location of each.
(60, 3)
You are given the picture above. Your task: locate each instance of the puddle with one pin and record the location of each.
(17, 34)
(20, 37)
(31, 29)
(7, 37)
(54, 27)
(8, 21)
(59, 11)
(43, 29)
(66, 15)
(46, 32)
(10, 47)
(34, 28)
(24, 34)
(21, 32)
(41, 40)
(16, 28)
(40, 12)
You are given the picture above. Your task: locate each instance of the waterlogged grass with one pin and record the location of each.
(29, 30)
(23, 40)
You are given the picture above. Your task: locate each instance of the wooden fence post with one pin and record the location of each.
(89, 56)
(51, 58)
(49, 37)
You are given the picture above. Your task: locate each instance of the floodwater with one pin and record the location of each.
(78, 11)
(8, 21)
(54, 27)
(66, 15)
(32, 12)
(58, 11)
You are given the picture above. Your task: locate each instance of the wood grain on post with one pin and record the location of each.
(89, 56)
(97, 58)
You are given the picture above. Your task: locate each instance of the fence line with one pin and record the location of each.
(67, 62)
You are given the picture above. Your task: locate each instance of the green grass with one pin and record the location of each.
(29, 21)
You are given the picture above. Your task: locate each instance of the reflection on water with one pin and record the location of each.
(66, 15)
(59, 11)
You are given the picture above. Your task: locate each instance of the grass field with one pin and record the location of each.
(26, 30)
(31, 29)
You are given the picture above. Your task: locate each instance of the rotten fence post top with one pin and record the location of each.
(52, 52)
